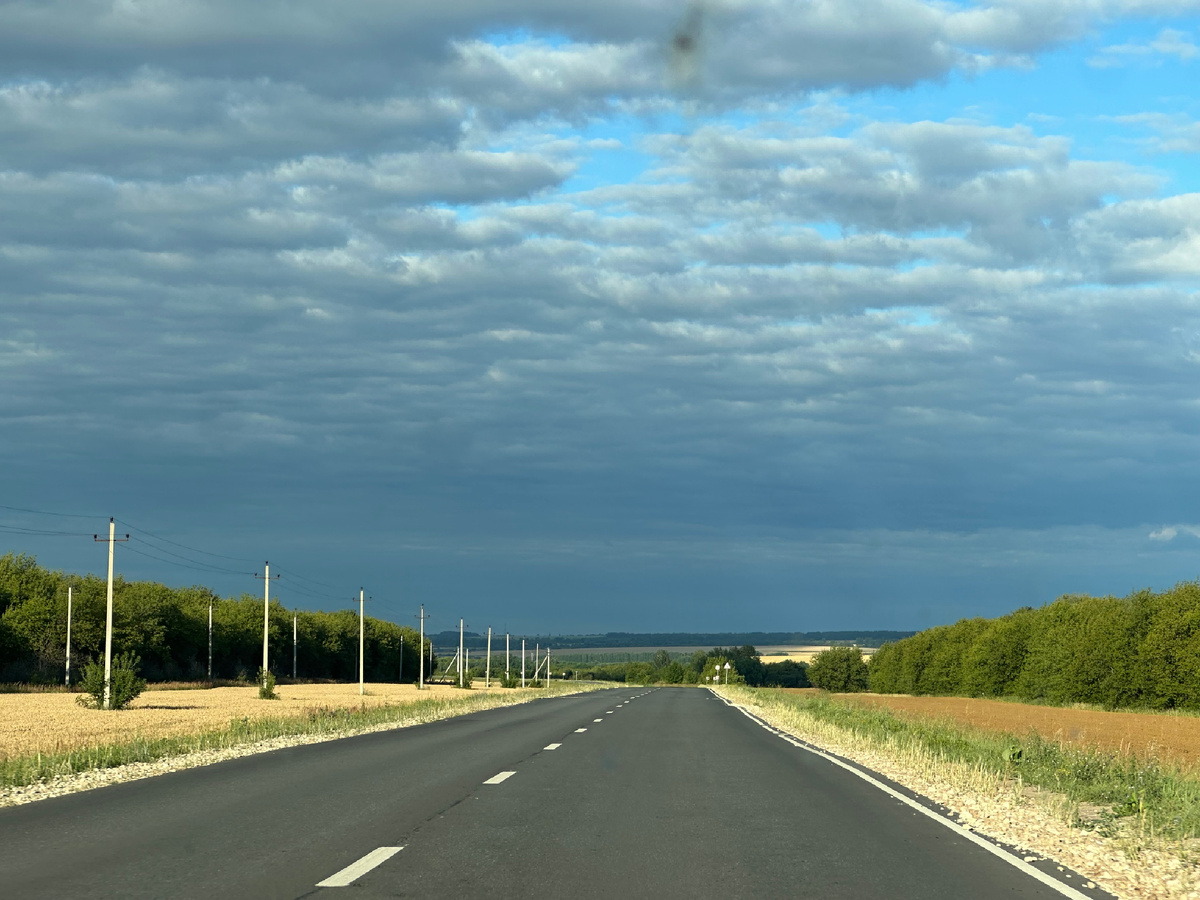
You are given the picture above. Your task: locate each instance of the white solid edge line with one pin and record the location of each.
(503, 776)
(580, 730)
(357, 870)
(552, 746)
(1065, 889)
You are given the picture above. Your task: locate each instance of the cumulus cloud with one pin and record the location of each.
(385, 253)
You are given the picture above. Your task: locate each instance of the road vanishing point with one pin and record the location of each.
(627, 793)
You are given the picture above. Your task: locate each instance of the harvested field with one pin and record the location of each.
(1169, 737)
(802, 654)
(54, 722)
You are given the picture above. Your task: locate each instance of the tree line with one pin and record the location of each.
(699, 667)
(1142, 650)
(168, 628)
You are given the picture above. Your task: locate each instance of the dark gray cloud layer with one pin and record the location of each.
(315, 279)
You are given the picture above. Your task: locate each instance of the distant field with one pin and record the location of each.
(800, 654)
(1165, 736)
(54, 722)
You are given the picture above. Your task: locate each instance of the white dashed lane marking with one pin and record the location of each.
(357, 870)
(552, 746)
(580, 730)
(597, 720)
(503, 776)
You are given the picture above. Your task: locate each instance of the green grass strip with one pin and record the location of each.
(18, 771)
(1165, 800)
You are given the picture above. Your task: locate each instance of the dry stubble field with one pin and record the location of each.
(52, 722)
(1169, 737)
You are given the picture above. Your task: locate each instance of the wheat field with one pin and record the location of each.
(55, 722)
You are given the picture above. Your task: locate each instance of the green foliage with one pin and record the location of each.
(124, 683)
(786, 674)
(266, 685)
(168, 629)
(839, 669)
(1137, 651)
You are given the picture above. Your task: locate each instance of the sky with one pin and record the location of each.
(779, 315)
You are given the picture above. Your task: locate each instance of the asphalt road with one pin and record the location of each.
(667, 793)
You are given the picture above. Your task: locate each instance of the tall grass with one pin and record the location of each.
(1157, 800)
(328, 722)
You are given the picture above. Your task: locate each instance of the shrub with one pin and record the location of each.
(266, 685)
(124, 686)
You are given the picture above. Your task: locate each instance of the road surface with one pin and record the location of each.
(632, 793)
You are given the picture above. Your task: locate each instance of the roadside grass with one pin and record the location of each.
(1110, 792)
(322, 722)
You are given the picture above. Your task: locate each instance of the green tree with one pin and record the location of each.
(840, 669)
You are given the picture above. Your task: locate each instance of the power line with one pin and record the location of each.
(195, 562)
(42, 532)
(171, 562)
(42, 512)
(185, 546)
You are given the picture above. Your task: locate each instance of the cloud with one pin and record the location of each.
(1168, 43)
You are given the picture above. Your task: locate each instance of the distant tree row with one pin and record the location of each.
(745, 667)
(168, 629)
(1137, 651)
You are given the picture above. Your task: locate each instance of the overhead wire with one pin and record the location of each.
(183, 546)
(43, 512)
(195, 562)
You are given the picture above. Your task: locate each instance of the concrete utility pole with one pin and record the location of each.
(266, 577)
(210, 605)
(400, 677)
(487, 678)
(547, 667)
(537, 660)
(361, 632)
(460, 652)
(506, 668)
(68, 635)
(421, 651)
(522, 662)
(295, 644)
(113, 540)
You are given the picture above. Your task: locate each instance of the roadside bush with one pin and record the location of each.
(125, 684)
(266, 685)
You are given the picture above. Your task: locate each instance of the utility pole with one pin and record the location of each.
(487, 679)
(295, 644)
(361, 632)
(266, 577)
(113, 540)
(68, 636)
(547, 667)
(210, 605)
(522, 662)
(421, 651)
(400, 677)
(460, 652)
(537, 660)
(506, 667)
